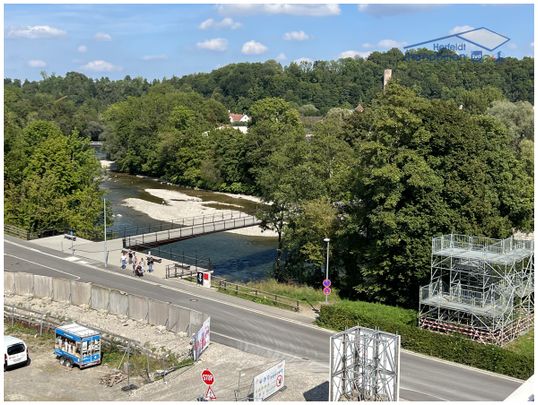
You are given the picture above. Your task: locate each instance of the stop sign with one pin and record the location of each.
(207, 377)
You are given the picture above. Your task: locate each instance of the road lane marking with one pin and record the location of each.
(295, 322)
(42, 265)
(261, 347)
(72, 258)
(450, 363)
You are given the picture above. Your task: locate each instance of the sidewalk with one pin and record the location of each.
(84, 251)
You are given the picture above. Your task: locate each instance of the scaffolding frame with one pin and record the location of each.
(365, 365)
(480, 287)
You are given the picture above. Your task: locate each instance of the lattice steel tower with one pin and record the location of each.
(480, 287)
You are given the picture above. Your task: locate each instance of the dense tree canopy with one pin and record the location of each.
(447, 147)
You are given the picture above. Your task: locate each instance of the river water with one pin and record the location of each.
(235, 257)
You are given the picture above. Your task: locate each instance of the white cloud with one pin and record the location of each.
(460, 28)
(512, 45)
(224, 23)
(384, 10)
(82, 48)
(390, 43)
(355, 54)
(215, 44)
(310, 10)
(253, 48)
(102, 36)
(296, 36)
(281, 56)
(367, 45)
(35, 32)
(155, 57)
(36, 63)
(101, 66)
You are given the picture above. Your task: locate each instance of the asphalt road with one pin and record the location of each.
(264, 330)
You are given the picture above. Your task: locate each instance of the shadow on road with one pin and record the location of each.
(318, 393)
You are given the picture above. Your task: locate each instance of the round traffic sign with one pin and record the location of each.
(326, 291)
(207, 377)
(326, 283)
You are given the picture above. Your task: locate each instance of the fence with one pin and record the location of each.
(196, 261)
(243, 290)
(166, 236)
(177, 270)
(19, 232)
(140, 362)
(173, 317)
(127, 231)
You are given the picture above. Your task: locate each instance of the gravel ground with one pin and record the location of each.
(156, 337)
(233, 369)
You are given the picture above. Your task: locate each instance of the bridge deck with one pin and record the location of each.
(174, 235)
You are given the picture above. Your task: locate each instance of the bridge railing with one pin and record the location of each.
(198, 262)
(126, 231)
(190, 231)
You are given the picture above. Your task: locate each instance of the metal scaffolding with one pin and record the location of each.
(365, 366)
(480, 287)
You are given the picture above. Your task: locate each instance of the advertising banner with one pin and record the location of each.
(201, 339)
(269, 382)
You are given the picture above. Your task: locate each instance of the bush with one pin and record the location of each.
(347, 314)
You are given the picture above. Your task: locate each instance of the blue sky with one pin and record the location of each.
(156, 41)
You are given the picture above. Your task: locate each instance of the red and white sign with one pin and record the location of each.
(207, 377)
(210, 395)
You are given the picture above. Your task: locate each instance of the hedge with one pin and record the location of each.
(400, 321)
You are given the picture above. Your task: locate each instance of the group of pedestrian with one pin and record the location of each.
(129, 257)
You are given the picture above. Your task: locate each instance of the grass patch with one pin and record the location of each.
(523, 345)
(304, 293)
(260, 298)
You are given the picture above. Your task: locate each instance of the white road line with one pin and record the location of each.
(269, 315)
(72, 258)
(42, 265)
(447, 362)
(261, 347)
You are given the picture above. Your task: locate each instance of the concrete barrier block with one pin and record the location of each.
(100, 298)
(24, 284)
(42, 286)
(81, 293)
(138, 308)
(158, 312)
(196, 320)
(118, 303)
(9, 282)
(61, 290)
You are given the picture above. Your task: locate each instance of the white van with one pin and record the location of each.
(15, 352)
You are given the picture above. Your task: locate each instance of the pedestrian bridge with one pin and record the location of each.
(185, 228)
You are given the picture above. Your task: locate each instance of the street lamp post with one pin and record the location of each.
(104, 215)
(327, 267)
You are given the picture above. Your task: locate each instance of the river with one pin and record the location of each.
(235, 257)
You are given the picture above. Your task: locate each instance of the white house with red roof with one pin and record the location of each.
(238, 118)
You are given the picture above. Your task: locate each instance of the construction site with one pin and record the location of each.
(480, 287)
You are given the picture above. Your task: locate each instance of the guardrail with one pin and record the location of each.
(179, 270)
(161, 252)
(241, 289)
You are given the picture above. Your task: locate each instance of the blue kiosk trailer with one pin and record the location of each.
(77, 345)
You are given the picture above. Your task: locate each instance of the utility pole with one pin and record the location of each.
(104, 216)
(327, 267)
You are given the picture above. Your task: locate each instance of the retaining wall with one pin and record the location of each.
(173, 317)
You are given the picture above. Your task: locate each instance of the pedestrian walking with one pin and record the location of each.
(130, 257)
(123, 260)
(150, 264)
(142, 265)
